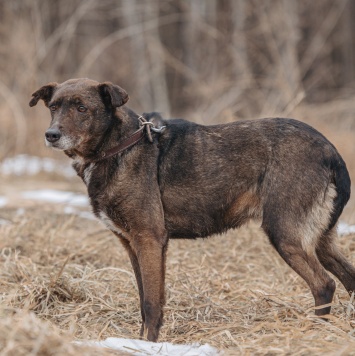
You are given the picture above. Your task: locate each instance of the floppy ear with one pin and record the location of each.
(112, 95)
(45, 93)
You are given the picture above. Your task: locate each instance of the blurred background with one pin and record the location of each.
(209, 61)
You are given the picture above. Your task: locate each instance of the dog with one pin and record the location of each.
(151, 179)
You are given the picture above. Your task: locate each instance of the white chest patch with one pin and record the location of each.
(88, 172)
(109, 223)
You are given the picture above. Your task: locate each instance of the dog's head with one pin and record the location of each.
(81, 110)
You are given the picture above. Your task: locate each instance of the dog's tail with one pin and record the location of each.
(342, 182)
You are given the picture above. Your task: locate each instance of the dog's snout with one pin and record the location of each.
(53, 135)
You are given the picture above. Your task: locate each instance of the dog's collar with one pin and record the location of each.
(128, 142)
(145, 127)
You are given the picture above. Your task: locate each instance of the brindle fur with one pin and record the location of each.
(194, 181)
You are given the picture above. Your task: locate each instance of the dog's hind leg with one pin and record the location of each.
(299, 253)
(137, 273)
(334, 261)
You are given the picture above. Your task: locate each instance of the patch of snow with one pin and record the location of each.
(3, 201)
(345, 229)
(20, 211)
(4, 222)
(57, 196)
(83, 214)
(87, 215)
(70, 210)
(30, 165)
(140, 347)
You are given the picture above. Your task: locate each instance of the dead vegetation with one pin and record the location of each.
(65, 278)
(23, 333)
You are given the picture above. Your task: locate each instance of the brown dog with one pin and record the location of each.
(192, 181)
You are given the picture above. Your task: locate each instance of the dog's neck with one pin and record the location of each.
(123, 123)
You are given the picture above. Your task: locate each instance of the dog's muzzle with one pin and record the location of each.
(53, 135)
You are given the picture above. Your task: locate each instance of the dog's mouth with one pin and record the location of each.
(51, 144)
(63, 143)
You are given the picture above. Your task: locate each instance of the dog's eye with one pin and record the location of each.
(53, 108)
(82, 108)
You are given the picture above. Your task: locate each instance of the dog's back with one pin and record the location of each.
(227, 174)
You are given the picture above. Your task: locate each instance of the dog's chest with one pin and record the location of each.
(84, 170)
(87, 173)
(107, 221)
(90, 174)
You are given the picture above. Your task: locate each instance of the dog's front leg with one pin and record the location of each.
(137, 273)
(151, 254)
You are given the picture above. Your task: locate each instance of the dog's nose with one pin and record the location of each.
(52, 135)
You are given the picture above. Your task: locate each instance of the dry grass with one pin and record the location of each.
(64, 278)
(23, 333)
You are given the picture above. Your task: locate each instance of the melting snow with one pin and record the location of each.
(3, 201)
(140, 347)
(30, 165)
(4, 222)
(57, 196)
(83, 214)
(345, 229)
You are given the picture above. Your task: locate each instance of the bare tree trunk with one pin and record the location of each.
(157, 65)
(239, 54)
(140, 65)
(190, 34)
(172, 37)
(280, 28)
(348, 47)
(231, 61)
(289, 57)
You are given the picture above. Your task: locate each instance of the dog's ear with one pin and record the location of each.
(45, 93)
(112, 95)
